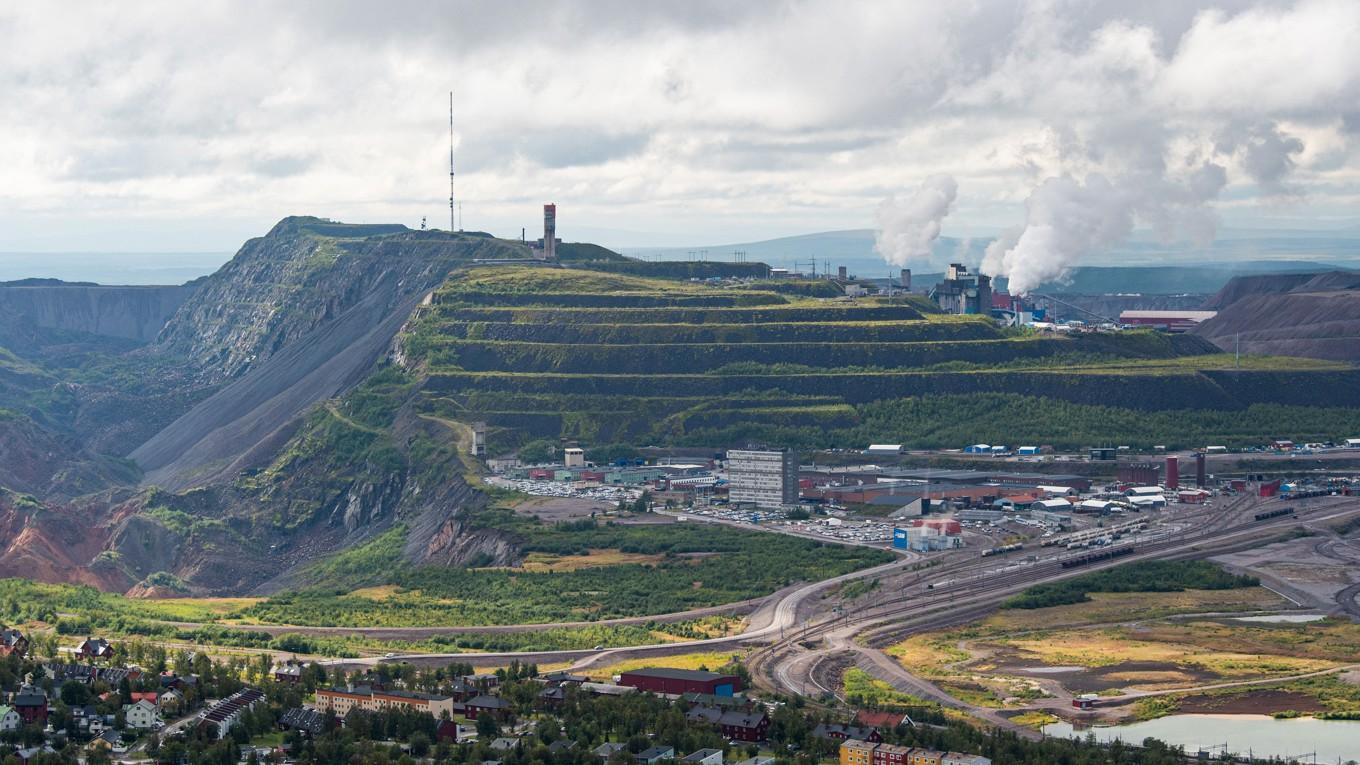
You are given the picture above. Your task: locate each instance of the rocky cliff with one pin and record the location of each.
(296, 317)
(131, 313)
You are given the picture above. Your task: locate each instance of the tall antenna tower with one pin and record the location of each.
(453, 225)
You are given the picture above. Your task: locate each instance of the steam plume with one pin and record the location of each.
(908, 227)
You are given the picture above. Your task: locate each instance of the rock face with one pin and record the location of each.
(296, 317)
(224, 399)
(131, 313)
(1312, 315)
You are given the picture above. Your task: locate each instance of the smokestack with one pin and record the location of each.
(1200, 478)
(841, 273)
(1173, 473)
(905, 280)
(550, 232)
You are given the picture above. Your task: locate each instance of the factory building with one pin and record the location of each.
(962, 292)
(762, 478)
(1169, 321)
(1139, 473)
(680, 681)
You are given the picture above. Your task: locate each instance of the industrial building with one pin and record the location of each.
(680, 681)
(1169, 321)
(762, 478)
(962, 292)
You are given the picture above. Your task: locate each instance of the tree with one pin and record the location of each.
(536, 452)
(487, 726)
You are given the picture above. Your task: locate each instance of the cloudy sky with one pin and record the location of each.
(192, 126)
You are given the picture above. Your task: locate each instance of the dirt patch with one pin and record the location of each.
(1309, 573)
(1258, 702)
(561, 509)
(1147, 674)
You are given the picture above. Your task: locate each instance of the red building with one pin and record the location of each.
(31, 705)
(678, 681)
(13, 642)
(1173, 473)
(744, 726)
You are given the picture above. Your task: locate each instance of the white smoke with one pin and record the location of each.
(1067, 220)
(907, 228)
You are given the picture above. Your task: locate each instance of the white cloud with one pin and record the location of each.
(133, 122)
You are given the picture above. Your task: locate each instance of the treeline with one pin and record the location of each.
(1145, 576)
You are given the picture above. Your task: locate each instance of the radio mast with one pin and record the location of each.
(453, 225)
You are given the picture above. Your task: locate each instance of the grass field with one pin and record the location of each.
(702, 660)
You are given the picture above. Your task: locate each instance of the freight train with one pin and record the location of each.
(1099, 555)
(1276, 513)
(1002, 550)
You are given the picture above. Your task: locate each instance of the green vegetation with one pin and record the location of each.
(1145, 576)
(608, 357)
(695, 566)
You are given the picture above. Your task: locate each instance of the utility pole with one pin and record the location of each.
(1237, 354)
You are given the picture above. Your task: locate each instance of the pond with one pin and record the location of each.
(1262, 736)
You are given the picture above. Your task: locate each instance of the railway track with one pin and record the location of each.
(962, 600)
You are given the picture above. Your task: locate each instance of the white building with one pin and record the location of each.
(10, 719)
(574, 457)
(704, 757)
(885, 449)
(140, 716)
(955, 758)
(762, 478)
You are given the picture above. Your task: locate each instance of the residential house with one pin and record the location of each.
(876, 719)
(608, 749)
(957, 758)
(12, 641)
(504, 744)
(841, 732)
(110, 740)
(27, 755)
(759, 759)
(654, 755)
(289, 672)
(95, 649)
(31, 703)
(309, 721)
(342, 700)
(170, 701)
(857, 752)
(9, 719)
(563, 677)
(744, 726)
(552, 697)
(561, 745)
(924, 757)
(495, 706)
(141, 715)
(226, 713)
(704, 757)
(890, 754)
(704, 715)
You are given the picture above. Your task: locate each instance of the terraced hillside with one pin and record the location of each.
(606, 357)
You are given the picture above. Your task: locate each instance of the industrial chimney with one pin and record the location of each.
(841, 273)
(550, 232)
(905, 280)
(1173, 473)
(1200, 478)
